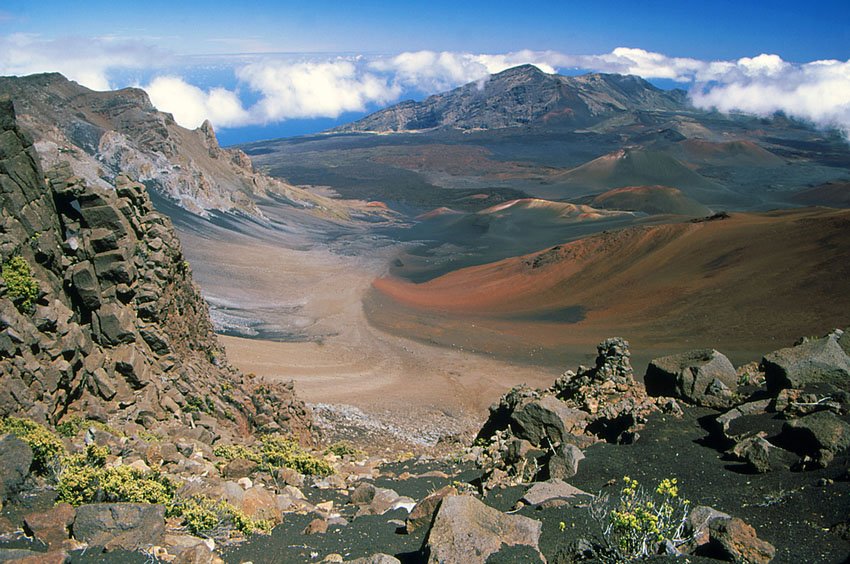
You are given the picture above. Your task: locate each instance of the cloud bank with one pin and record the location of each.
(279, 88)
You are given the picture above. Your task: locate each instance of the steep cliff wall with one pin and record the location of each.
(116, 329)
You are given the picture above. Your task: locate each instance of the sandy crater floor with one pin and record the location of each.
(340, 359)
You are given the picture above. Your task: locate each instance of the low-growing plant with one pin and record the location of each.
(276, 452)
(636, 523)
(218, 519)
(71, 426)
(343, 448)
(283, 452)
(47, 448)
(84, 478)
(21, 287)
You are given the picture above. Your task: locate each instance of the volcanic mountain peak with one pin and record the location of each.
(524, 95)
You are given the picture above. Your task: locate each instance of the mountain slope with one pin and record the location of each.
(738, 283)
(520, 96)
(103, 134)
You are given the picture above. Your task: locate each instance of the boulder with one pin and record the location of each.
(697, 526)
(317, 526)
(547, 420)
(259, 503)
(703, 377)
(113, 325)
(423, 512)
(814, 361)
(379, 558)
(129, 526)
(466, 531)
(131, 364)
(761, 456)
(738, 541)
(52, 527)
(819, 435)
(564, 462)
(16, 456)
(85, 285)
(363, 494)
(238, 468)
(553, 488)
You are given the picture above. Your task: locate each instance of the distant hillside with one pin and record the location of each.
(650, 200)
(524, 95)
(104, 134)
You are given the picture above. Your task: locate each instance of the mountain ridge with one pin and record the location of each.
(523, 95)
(104, 134)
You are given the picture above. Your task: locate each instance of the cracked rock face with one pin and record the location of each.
(118, 329)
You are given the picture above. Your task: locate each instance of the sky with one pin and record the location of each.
(269, 69)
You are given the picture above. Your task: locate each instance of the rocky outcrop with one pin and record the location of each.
(107, 134)
(703, 377)
(534, 434)
(523, 95)
(116, 329)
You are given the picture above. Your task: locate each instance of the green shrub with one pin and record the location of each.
(276, 452)
(282, 452)
(21, 287)
(85, 479)
(71, 426)
(205, 517)
(639, 520)
(229, 452)
(343, 448)
(47, 448)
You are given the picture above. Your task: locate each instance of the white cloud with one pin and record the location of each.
(85, 60)
(314, 89)
(818, 92)
(191, 106)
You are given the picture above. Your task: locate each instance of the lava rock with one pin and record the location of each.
(704, 377)
(129, 526)
(466, 531)
(822, 360)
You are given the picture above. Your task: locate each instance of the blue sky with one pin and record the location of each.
(305, 65)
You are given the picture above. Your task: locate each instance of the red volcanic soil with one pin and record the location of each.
(833, 194)
(746, 285)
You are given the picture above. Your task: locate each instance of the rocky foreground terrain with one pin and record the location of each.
(128, 437)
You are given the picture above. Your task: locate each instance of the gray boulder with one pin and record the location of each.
(814, 361)
(541, 492)
(564, 462)
(379, 558)
(547, 420)
(703, 377)
(465, 531)
(761, 456)
(129, 526)
(16, 457)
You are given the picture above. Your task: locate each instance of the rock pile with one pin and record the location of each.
(539, 434)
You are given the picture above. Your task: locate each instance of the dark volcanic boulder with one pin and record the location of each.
(547, 419)
(131, 526)
(465, 531)
(814, 361)
(704, 377)
(16, 457)
(819, 436)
